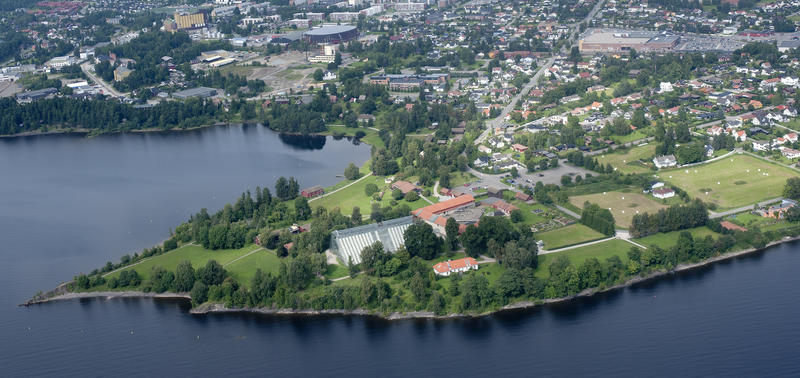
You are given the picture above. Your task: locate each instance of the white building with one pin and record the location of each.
(663, 193)
(665, 87)
(665, 161)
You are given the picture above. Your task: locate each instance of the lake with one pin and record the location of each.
(70, 203)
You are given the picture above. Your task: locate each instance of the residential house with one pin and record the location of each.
(663, 193)
(665, 161)
(445, 268)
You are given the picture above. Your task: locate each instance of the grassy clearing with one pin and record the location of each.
(336, 271)
(351, 196)
(623, 205)
(630, 161)
(370, 138)
(197, 255)
(528, 214)
(636, 135)
(667, 239)
(732, 182)
(577, 256)
(570, 235)
(244, 270)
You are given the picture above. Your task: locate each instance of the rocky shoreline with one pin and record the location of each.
(61, 294)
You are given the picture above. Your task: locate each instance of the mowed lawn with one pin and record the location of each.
(600, 251)
(732, 182)
(628, 162)
(197, 255)
(570, 235)
(623, 205)
(354, 195)
(667, 239)
(244, 269)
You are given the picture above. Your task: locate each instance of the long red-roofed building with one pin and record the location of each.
(445, 268)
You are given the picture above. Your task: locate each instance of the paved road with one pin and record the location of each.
(550, 176)
(327, 194)
(510, 106)
(568, 212)
(107, 89)
(742, 209)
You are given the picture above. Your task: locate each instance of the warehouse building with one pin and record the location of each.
(622, 41)
(331, 34)
(348, 244)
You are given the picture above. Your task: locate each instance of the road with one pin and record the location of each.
(107, 89)
(550, 176)
(344, 187)
(568, 212)
(535, 79)
(510, 106)
(742, 209)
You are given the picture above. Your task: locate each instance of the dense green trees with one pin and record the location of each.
(352, 172)
(792, 188)
(673, 218)
(103, 115)
(598, 219)
(421, 241)
(184, 276)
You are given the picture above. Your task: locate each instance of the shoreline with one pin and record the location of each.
(208, 308)
(84, 131)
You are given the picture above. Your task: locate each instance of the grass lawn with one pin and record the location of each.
(572, 234)
(351, 196)
(244, 270)
(629, 161)
(577, 256)
(336, 271)
(623, 205)
(636, 135)
(732, 182)
(667, 239)
(354, 195)
(528, 212)
(197, 255)
(370, 138)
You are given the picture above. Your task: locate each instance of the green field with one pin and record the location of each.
(370, 138)
(577, 256)
(667, 239)
(570, 235)
(198, 256)
(731, 182)
(623, 205)
(244, 269)
(630, 160)
(354, 195)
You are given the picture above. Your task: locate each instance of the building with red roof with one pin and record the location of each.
(445, 268)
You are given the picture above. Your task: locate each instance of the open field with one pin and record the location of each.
(565, 236)
(667, 239)
(623, 205)
(197, 255)
(628, 162)
(600, 251)
(731, 182)
(244, 269)
(354, 195)
(370, 138)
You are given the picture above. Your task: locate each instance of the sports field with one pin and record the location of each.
(732, 182)
(623, 205)
(631, 160)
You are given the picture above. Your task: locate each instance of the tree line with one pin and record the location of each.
(674, 218)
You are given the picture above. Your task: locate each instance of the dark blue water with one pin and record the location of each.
(68, 204)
